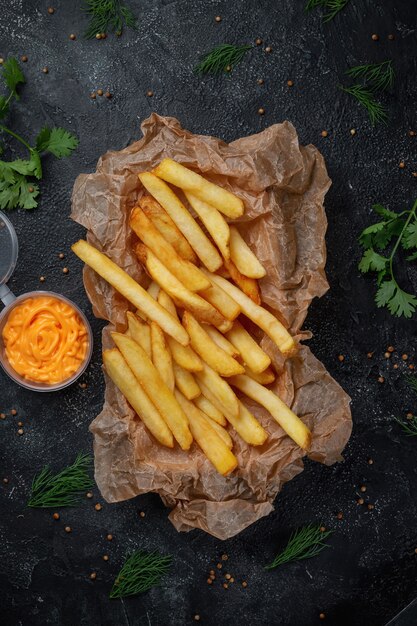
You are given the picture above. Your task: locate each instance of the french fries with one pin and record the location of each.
(249, 286)
(252, 354)
(123, 377)
(281, 413)
(221, 301)
(248, 427)
(242, 256)
(209, 409)
(183, 219)
(160, 218)
(183, 355)
(208, 350)
(185, 271)
(155, 388)
(153, 290)
(222, 342)
(260, 316)
(130, 289)
(211, 396)
(191, 301)
(185, 382)
(222, 432)
(180, 176)
(214, 222)
(264, 378)
(161, 356)
(220, 389)
(206, 437)
(140, 331)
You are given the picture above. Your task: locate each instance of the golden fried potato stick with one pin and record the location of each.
(161, 356)
(248, 427)
(186, 383)
(208, 350)
(222, 432)
(186, 272)
(211, 396)
(191, 301)
(281, 413)
(123, 377)
(260, 316)
(242, 256)
(264, 378)
(210, 410)
(160, 218)
(153, 290)
(249, 286)
(222, 342)
(206, 437)
(155, 388)
(140, 331)
(183, 219)
(214, 221)
(219, 388)
(221, 301)
(224, 201)
(130, 289)
(252, 354)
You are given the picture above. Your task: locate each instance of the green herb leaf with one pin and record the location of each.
(376, 111)
(409, 426)
(333, 7)
(64, 488)
(4, 107)
(140, 572)
(385, 293)
(402, 303)
(412, 257)
(304, 543)
(379, 75)
(108, 15)
(372, 261)
(383, 212)
(19, 192)
(12, 75)
(221, 58)
(410, 236)
(411, 381)
(57, 141)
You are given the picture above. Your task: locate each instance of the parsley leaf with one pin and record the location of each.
(57, 141)
(410, 236)
(12, 75)
(383, 212)
(18, 193)
(402, 303)
(372, 261)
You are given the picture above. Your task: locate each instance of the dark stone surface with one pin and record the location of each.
(369, 573)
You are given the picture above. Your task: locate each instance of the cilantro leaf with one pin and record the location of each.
(31, 167)
(372, 261)
(410, 236)
(412, 257)
(19, 193)
(402, 303)
(383, 212)
(13, 75)
(57, 141)
(382, 238)
(385, 292)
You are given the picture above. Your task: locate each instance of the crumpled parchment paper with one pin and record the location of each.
(283, 186)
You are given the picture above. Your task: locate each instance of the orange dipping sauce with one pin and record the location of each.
(45, 340)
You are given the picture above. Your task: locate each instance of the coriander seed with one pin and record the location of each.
(93, 575)
(290, 83)
(341, 358)
(149, 93)
(261, 111)
(24, 58)
(61, 255)
(6, 481)
(20, 431)
(55, 516)
(142, 514)
(100, 92)
(45, 70)
(324, 133)
(89, 494)
(360, 501)
(352, 131)
(225, 557)
(65, 270)
(268, 49)
(401, 165)
(363, 488)
(105, 557)
(391, 37)
(404, 357)
(339, 515)
(390, 349)
(93, 95)
(371, 507)
(108, 95)
(51, 10)
(244, 584)
(260, 81)
(375, 37)
(209, 581)
(218, 18)
(258, 41)
(109, 537)
(68, 529)
(381, 379)
(322, 616)
(98, 35)
(98, 507)
(13, 412)
(72, 37)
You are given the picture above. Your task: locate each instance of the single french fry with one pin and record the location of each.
(155, 388)
(224, 201)
(191, 301)
(210, 410)
(222, 342)
(260, 316)
(198, 240)
(242, 256)
(153, 290)
(214, 221)
(264, 378)
(281, 413)
(183, 355)
(249, 286)
(208, 350)
(211, 396)
(224, 394)
(140, 331)
(161, 356)
(248, 427)
(168, 229)
(220, 430)
(185, 382)
(207, 438)
(130, 289)
(252, 354)
(221, 301)
(124, 379)
(186, 272)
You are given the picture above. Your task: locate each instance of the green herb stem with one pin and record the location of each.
(412, 214)
(140, 572)
(304, 543)
(16, 136)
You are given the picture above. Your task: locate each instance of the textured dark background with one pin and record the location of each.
(369, 573)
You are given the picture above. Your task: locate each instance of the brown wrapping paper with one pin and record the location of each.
(283, 186)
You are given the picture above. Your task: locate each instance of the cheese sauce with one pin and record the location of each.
(45, 340)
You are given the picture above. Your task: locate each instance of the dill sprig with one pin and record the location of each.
(304, 543)
(64, 488)
(411, 381)
(221, 59)
(140, 572)
(108, 15)
(333, 7)
(379, 75)
(409, 426)
(376, 111)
